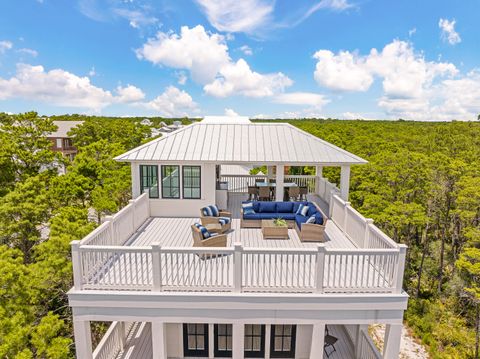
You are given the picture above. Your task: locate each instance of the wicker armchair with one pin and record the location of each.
(215, 220)
(219, 240)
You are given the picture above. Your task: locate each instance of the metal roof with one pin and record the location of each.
(254, 143)
(64, 127)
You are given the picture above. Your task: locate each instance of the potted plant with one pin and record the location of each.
(280, 222)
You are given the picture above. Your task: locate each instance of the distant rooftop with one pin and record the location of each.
(64, 127)
(241, 143)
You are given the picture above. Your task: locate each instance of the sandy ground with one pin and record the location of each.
(409, 347)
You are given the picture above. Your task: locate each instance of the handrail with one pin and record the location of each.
(238, 269)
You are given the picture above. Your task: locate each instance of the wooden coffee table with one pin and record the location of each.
(271, 231)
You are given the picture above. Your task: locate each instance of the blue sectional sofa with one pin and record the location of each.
(287, 211)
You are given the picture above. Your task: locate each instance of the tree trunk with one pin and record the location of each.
(424, 254)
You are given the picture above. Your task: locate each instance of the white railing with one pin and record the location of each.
(240, 183)
(367, 349)
(238, 269)
(326, 189)
(113, 342)
(115, 230)
(303, 181)
(360, 230)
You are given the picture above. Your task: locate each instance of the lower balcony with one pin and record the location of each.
(134, 341)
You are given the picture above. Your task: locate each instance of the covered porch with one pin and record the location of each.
(133, 340)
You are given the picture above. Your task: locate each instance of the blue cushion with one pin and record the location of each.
(248, 210)
(285, 207)
(302, 210)
(268, 207)
(253, 215)
(311, 210)
(205, 233)
(223, 220)
(210, 211)
(247, 205)
(286, 216)
(297, 204)
(300, 219)
(311, 220)
(318, 218)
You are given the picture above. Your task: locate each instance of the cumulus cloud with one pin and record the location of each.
(238, 78)
(129, 93)
(237, 16)
(193, 49)
(207, 58)
(301, 98)
(247, 50)
(344, 71)
(61, 88)
(5, 45)
(173, 102)
(230, 112)
(136, 18)
(448, 32)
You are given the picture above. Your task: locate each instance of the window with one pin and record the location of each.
(223, 340)
(191, 182)
(67, 143)
(282, 343)
(254, 341)
(170, 182)
(59, 143)
(195, 340)
(149, 180)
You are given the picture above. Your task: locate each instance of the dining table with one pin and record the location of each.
(271, 185)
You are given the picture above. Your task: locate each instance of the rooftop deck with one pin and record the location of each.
(133, 251)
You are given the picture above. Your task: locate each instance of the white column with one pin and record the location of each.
(393, 336)
(83, 339)
(268, 338)
(318, 339)
(269, 172)
(238, 337)
(344, 182)
(159, 342)
(135, 171)
(279, 181)
(319, 171)
(211, 341)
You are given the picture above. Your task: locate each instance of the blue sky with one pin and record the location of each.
(417, 60)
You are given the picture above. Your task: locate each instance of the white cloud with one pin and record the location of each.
(61, 88)
(230, 112)
(238, 78)
(5, 45)
(301, 98)
(136, 18)
(29, 52)
(237, 16)
(448, 31)
(247, 50)
(173, 102)
(194, 49)
(92, 72)
(181, 78)
(129, 93)
(343, 72)
(412, 32)
(206, 57)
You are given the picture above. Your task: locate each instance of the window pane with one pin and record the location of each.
(229, 343)
(287, 343)
(279, 330)
(287, 330)
(257, 329)
(278, 344)
(200, 329)
(200, 342)
(191, 181)
(248, 343)
(192, 342)
(222, 329)
(256, 344)
(222, 343)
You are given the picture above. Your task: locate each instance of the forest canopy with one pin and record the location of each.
(421, 186)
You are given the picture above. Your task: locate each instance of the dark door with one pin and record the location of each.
(195, 340)
(282, 343)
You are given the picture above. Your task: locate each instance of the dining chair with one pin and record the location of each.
(264, 193)
(303, 193)
(293, 192)
(252, 193)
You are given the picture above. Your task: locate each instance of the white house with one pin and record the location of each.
(254, 296)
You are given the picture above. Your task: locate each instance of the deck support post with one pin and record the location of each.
(270, 172)
(319, 176)
(135, 174)
(344, 182)
(237, 267)
(320, 266)
(211, 340)
(123, 334)
(159, 343)
(76, 265)
(83, 338)
(279, 183)
(318, 340)
(400, 268)
(393, 336)
(238, 335)
(366, 240)
(156, 267)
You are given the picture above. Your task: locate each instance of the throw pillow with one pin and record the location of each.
(311, 220)
(248, 211)
(302, 210)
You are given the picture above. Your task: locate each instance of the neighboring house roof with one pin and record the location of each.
(64, 127)
(253, 143)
